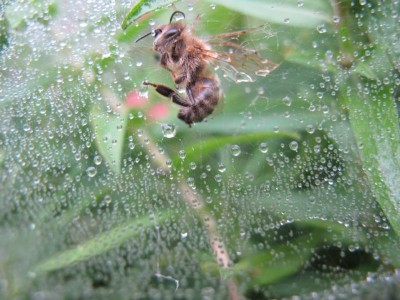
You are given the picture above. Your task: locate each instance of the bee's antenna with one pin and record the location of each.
(142, 37)
(175, 13)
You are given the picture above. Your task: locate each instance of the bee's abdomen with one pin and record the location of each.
(206, 94)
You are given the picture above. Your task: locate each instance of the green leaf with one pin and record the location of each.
(310, 14)
(143, 8)
(236, 124)
(264, 268)
(205, 147)
(372, 111)
(375, 125)
(110, 131)
(100, 244)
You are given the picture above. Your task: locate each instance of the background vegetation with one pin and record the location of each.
(290, 190)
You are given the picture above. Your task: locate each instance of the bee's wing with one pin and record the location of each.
(241, 67)
(239, 59)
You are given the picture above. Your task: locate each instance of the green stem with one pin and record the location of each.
(197, 203)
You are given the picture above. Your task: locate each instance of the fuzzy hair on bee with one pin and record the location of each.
(188, 59)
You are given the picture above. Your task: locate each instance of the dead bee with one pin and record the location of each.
(188, 59)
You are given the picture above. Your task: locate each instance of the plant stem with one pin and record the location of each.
(196, 202)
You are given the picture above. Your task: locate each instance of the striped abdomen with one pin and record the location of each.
(206, 94)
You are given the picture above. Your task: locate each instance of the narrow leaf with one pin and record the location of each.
(143, 8)
(110, 130)
(98, 245)
(375, 126)
(205, 147)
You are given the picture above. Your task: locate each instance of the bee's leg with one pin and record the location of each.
(190, 95)
(169, 93)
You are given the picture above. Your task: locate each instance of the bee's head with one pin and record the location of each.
(165, 34)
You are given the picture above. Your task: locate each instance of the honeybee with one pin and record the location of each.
(189, 58)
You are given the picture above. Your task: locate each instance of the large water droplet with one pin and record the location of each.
(294, 145)
(263, 147)
(221, 167)
(91, 171)
(321, 28)
(310, 129)
(169, 131)
(97, 160)
(218, 178)
(235, 150)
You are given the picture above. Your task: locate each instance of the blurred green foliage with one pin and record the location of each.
(295, 178)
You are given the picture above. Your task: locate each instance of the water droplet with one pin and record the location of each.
(293, 145)
(182, 154)
(235, 150)
(286, 20)
(300, 3)
(287, 101)
(263, 147)
(91, 171)
(192, 166)
(107, 199)
(139, 63)
(27, 128)
(169, 163)
(336, 19)
(97, 160)
(321, 28)
(213, 5)
(221, 167)
(143, 91)
(190, 182)
(78, 156)
(218, 178)
(169, 131)
(184, 235)
(310, 128)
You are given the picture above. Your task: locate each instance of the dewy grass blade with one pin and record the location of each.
(378, 143)
(110, 132)
(100, 244)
